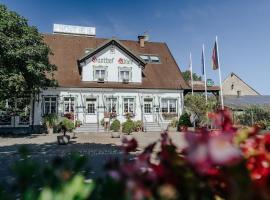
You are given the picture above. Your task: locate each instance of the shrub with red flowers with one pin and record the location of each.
(225, 164)
(70, 116)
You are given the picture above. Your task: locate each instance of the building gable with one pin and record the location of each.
(235, 86)
(111, 64)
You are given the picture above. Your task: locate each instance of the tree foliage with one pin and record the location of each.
(196, 105)
(186, 76)
(24, 57)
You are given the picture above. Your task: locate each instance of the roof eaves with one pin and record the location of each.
(118, 44)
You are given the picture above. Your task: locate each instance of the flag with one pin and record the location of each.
(203, 62)
(215, 59)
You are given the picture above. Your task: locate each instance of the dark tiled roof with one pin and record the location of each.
(68, 49)
(242, 101)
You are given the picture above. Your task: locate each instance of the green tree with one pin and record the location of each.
(186, 76)
(196, 105)
(24, 57)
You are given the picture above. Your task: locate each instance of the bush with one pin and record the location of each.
(128, 126)
(115, 126)
(138, 126)
(184, 121)
(50, 120)
(174, 123)
(66, 125)
(253, 114)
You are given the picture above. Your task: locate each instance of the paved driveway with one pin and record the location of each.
(97, 147)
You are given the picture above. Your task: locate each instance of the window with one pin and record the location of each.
(91, 106)
(100, 74)
(154, 59)
(50, 105)
(168, 105)
(124, 75)
(145, 58)
(111, 105)
(69, 104)
(238, 93)
(129, 105)
(232, 86)
(150, 58)
(148, 106)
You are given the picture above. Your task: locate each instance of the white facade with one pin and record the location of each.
(113, 61)
(90, 104)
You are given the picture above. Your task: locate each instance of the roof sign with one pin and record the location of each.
(75, 30)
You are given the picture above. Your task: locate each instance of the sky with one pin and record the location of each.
(242, 27)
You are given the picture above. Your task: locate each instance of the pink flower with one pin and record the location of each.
(223, 151)
(205, 152)
(129, 145)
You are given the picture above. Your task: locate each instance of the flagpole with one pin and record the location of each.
(191, 73)
(220, 80)
(205, 79)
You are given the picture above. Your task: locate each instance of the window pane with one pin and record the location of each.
(91, 108)
(53, 107)
(46, 108)
(173, 105)
(164, 105)
(154, 59)
(147, 108)
(66, 107)
(125, 107)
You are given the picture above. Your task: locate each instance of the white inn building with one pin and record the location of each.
(97, 76)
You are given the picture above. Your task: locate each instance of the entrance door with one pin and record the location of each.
(91, 110)
(148, 110)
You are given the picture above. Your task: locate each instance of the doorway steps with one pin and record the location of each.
(89, 128)
(152, 127)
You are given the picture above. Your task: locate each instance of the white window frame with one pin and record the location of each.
(69, 102)
(50, 104)
(109, 104)
(125, 70)
(168, 102)
(150, 102)
(88, 101)
(100, 68)
(129, 100)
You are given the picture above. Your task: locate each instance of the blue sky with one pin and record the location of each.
(241, 25)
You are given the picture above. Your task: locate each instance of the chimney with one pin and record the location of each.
(142, 39)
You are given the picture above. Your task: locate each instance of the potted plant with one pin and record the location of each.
(129, 115)
(66, 125)
(128, 127)
(173, 125)
(115, 127)
(138, 126)
(184, 122)
(50, 121)
(69, 115)
(78, 123)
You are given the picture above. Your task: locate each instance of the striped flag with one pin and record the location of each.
(215, 59)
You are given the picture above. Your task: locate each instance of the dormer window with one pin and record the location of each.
(145, 58)
(150, 58)
(100, 74)
(154, 59)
